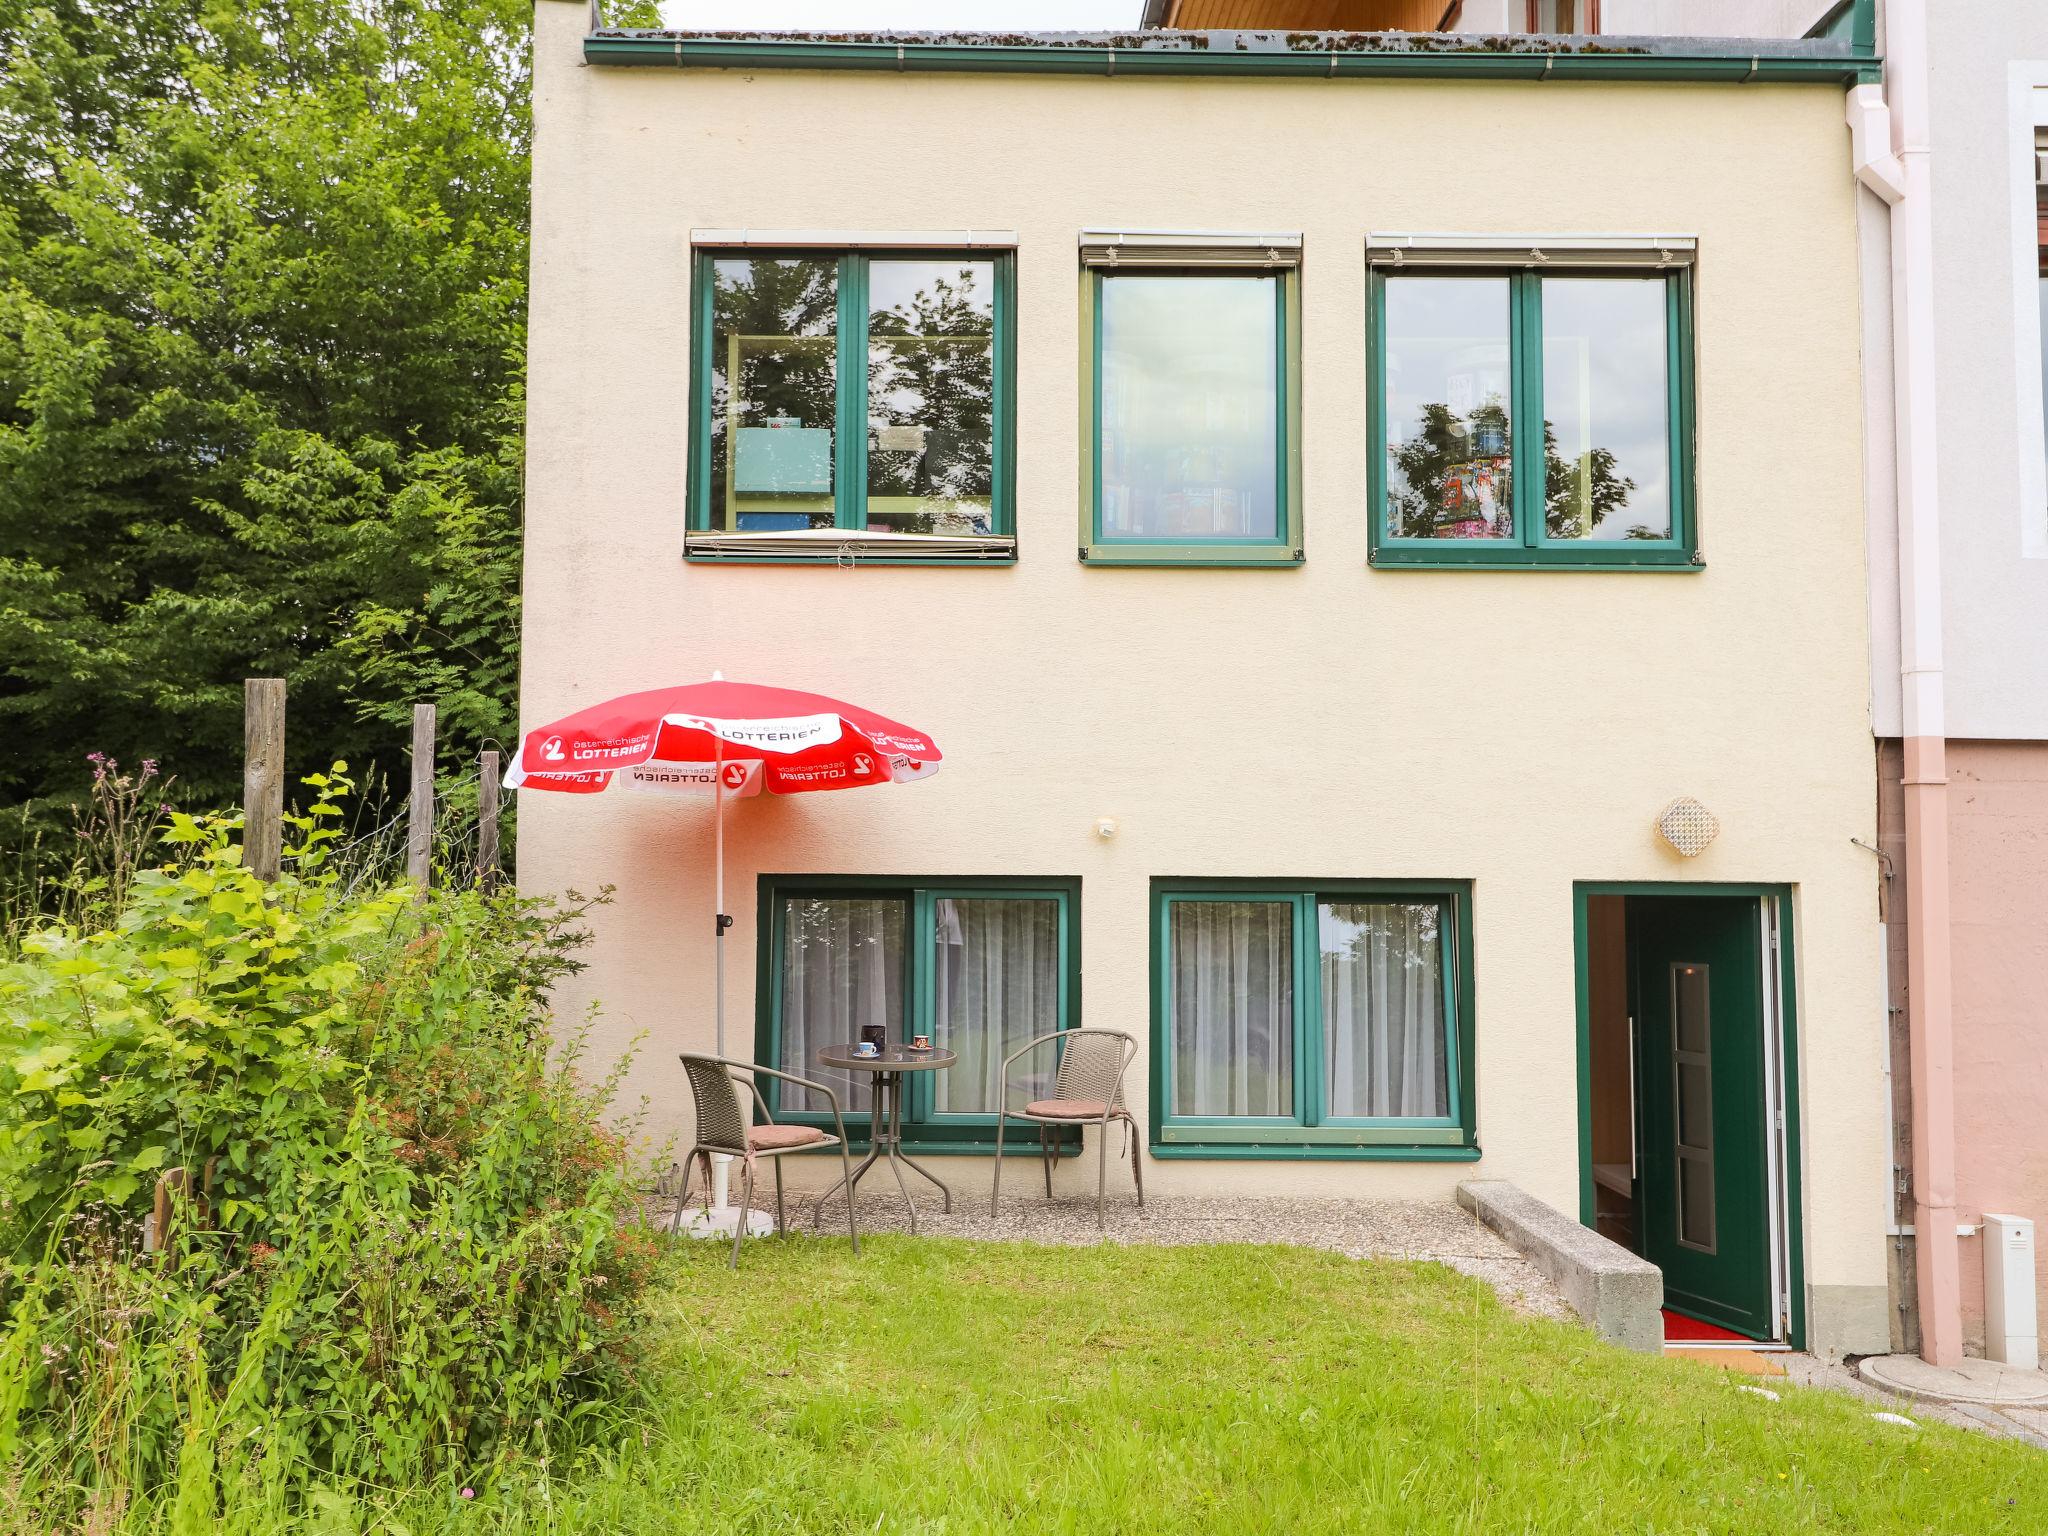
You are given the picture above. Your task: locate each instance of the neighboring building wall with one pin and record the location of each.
(1998, 822)
(1520, 730)
(1989, 85)
(1987, 56)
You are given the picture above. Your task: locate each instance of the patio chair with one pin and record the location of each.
(1087, 1089)
(722, 1127)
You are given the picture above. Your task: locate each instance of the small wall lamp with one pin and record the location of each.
(1687, 826)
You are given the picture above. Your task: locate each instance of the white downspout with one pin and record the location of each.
(1894, 165)
(1870, 142)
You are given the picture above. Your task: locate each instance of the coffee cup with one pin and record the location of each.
(921, 1043)
(866, 1048)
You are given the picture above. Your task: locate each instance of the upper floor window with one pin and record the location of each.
(1190, 399)
(2041, 243)
(851, 404)
(1561, 17)
(1532, 417)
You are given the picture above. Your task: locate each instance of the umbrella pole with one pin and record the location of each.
(721, 1163)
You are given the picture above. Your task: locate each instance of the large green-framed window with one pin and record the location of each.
(980, 965)
(1331, 1019)
(1190, 400)
(852, 404)
(1528, 418)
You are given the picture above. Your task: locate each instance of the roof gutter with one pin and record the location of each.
(1602, 59)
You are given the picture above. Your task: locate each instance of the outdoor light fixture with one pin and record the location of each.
(1105, 828)
(1687, 826)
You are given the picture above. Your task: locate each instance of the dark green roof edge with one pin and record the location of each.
(682, 51)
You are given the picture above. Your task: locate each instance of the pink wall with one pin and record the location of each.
(1998, 829)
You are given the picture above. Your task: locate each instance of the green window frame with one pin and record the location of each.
(1311, 1131)
(1285, 548)
(1531, 546)
(705, 541)
(925, 1127)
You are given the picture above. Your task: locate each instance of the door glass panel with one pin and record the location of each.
(1449, 433)
(774, 391)
(931, 396)
(1689, 1006)
(1695, 1107)
(1696, 1202)
(1606, 408)
(995, 984)
(1189, 400)
(1383, 997)
(1692, 1072)
(842, 968)
(1231, 974)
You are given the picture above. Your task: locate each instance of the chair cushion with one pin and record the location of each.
(1067, 1109)
(765, 1138)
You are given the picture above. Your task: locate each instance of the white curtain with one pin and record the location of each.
(842, 967)
(996, 981)
(1383, 1024)
(1231, 971)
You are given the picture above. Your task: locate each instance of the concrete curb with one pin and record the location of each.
(1620, 1295)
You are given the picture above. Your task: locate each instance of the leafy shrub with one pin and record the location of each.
(395, 1243)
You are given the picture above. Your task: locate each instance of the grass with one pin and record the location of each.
(947, 1387)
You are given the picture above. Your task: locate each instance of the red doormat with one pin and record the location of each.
(1679, 1329)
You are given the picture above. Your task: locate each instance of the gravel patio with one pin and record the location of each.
(1437, 1232)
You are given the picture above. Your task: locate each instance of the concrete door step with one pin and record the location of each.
(1983, 1382)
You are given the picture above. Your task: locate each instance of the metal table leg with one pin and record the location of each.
(899, 1160)
(876, 1123)
(885, 1139)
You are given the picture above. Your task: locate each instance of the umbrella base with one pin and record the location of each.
(722, 1221)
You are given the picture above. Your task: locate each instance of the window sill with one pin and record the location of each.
(1669, 562)
(1309, 1152)
(839, 547)
(1013, 1146)
(1250, 556)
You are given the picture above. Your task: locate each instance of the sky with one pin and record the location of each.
(902, 15)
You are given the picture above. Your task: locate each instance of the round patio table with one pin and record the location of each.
(885, 1112)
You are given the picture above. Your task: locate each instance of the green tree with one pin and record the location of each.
(262, 305)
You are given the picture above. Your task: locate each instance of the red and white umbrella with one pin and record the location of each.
(725, 739)
(731, 738)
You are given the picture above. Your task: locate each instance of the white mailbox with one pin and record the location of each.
(2009, 1327)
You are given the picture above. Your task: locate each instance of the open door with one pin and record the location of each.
(1703, 1094)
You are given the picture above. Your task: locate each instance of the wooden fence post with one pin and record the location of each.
(419, 838)
(262, 775)
(487, 822)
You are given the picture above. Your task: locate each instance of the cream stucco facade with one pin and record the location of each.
(1519, 730)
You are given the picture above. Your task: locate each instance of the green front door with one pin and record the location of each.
(1703, 1200)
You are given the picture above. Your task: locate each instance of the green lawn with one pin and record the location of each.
(943, 1386)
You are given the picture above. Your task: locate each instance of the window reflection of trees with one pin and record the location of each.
(1453, 479)
(1357, 932)
(786, 315)
(931, 368)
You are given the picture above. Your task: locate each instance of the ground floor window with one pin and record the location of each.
(981, 966)
(1300, 1020)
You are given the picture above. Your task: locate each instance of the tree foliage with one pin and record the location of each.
(262, 304)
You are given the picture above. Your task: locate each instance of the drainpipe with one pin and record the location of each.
(1894, 165)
